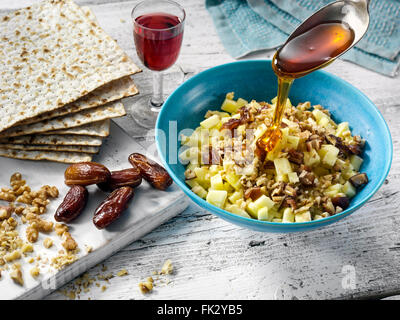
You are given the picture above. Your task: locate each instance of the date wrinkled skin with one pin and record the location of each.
(112, 207)
(151, 171)
(86, 173)
(72, 205)
(123, 178)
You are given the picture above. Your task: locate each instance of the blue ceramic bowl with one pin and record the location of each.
(255, 79)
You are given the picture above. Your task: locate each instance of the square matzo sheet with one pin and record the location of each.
(52, 53)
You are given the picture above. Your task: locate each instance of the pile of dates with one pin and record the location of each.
(119, 183)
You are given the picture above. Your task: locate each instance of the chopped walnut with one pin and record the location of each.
(32, 234)
(48, 243)
(60, 229)
(63, 259)
(11, 245)
(25, 197)
(35, 271)
(15, 255)
(146, 287)
(69, 243)
(253, 193)
(27, 247)
(16, 275)
(189, 174)
(5, 212)
(296, 156)
(307, 178)
(19, 210)
(122, 273)
(167, 268)
(7, 195)
(38, 223)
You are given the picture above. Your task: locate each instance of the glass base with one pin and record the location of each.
(155, 106)
(146, 114)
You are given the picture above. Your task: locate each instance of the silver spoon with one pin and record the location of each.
(353, 13)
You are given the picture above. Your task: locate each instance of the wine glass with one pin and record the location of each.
(158, 32)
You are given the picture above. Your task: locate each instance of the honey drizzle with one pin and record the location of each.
(314, 47)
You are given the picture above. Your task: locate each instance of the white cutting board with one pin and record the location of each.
(148, 209)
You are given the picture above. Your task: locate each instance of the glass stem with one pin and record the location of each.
(157, 99)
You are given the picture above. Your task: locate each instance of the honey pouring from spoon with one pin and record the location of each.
(318, 41)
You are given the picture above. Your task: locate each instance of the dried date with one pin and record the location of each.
(112, 207)
(155, 174)
(73, 204)
(342, 202)
(86, 173)
(123, 178)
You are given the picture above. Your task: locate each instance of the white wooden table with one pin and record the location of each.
(359, 257)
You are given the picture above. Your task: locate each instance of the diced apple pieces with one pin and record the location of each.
(214, 169)
(288, 103)
(292, 142)
(342, 129)
(236, 210)
(319, 115)
(356, 162)
(192, 183)
(217, 197)
(200, 191)
(349, 190)
(192, 141)
(328, 154)
(210, 122)
(282, 166)
(321, 171)
(293, 177)
(260, 131)
(237, 195)
(281, 144)
(190, 155)
(303, 217)
(241, 102)
(288, 215)
(311, 158)
(264, 214)
(281, 178)
(324, 122)
(333, 190)
(203, 176)
(252, 209)
(234, 180)
(264, 201)
(217, 182)
(230, 106)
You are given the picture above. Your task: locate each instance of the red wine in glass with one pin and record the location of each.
(158, 31)
(157, 39)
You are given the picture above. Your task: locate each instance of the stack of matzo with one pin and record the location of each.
(62, 79)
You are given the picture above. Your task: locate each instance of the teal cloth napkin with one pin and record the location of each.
(252, 25)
